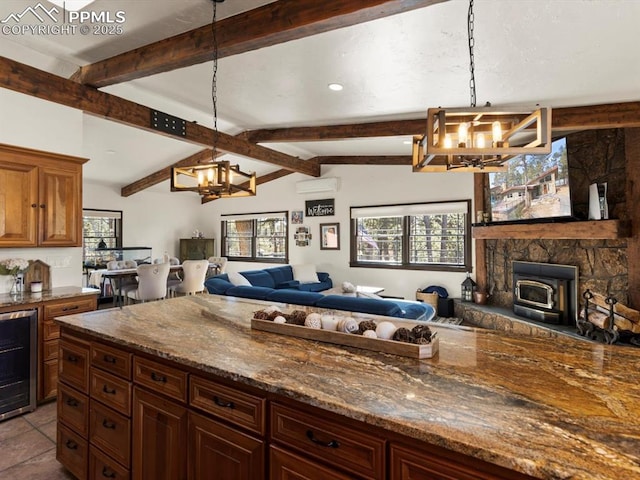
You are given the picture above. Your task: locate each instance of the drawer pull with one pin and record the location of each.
(68, 309)
(108, 424)
(108, 473)
(71, 445)
(109, 359)
(158, 378)
(72, 358)
(107, 389)
(223, 404)
(331, 444)
(72, 402)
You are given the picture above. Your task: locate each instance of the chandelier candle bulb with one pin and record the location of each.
(497, 132)
(480, 140)
(463, 131)
(448, 143)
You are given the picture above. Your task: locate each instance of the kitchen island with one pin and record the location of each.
(545, 408)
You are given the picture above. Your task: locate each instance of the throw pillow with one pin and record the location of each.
(369, 295)
(237, 279)
(305, 273)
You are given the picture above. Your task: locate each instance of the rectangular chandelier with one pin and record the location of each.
(213, 180)
(480, 139)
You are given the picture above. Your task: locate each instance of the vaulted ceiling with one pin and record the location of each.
(394, 58)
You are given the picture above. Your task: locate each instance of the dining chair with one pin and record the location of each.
(124, 284)
(221, 262)
(152, 283)
(194, 273)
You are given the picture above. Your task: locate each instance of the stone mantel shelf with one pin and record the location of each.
(590, 229)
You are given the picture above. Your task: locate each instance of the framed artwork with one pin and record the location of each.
(297, 216)
(329, 236)
(302, 236)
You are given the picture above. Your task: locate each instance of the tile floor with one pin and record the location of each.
(28, 446)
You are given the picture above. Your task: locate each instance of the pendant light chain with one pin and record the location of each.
(472, 81)
(214, 78)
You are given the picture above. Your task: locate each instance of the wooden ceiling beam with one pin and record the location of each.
(564, 119)
(365, 160)
(271, 24)
(40, 84)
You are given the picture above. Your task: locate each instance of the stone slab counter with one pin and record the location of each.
(553, 408)
(27, 298)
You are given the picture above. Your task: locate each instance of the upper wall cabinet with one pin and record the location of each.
(40, 198)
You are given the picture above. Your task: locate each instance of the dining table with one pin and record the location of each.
(118, 276)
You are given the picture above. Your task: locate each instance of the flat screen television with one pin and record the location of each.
(533, 188)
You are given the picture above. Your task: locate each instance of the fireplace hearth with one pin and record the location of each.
(545, 292)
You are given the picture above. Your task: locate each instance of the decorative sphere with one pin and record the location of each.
(329, 322)
(369, 334)
(385, 330)
(313, 320)
(279, 319)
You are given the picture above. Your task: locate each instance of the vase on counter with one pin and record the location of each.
(15, 285)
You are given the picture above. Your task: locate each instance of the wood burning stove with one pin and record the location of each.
(545, 292)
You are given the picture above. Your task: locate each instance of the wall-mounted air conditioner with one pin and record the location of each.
(317, 185)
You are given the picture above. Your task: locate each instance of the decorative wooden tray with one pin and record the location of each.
(349, 339)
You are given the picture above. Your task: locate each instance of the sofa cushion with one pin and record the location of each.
(238, 279)
(259, 278)
(218, 284)
(364, 305)
(305, 273)
(257, 293)
(294, 296)
(315, 287)
(290, 284)
(281, 274)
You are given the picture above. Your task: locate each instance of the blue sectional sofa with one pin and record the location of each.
(277, 285)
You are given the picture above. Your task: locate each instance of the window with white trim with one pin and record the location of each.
(426, 236)
(256, 237)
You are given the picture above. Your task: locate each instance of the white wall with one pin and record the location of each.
(28, 122)
(150, 218)
(359, 185)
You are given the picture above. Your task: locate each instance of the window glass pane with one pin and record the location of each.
(100, 231)
(437, 239)
(379, 239)
(260, 237)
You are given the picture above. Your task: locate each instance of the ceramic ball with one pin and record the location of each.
(313, 320)
(329, 322)
(385, 330)
(369, 334)
(279, 319)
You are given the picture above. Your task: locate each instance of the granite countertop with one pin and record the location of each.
(552, 408)
(8, 300)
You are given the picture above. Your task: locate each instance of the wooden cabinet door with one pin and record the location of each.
(159, 438)
(196, 248)
(289, 466)
(18, 204)
(60, 207)
(217, 452)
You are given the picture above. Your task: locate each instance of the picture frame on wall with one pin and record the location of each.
(329, 236)
(297, 217)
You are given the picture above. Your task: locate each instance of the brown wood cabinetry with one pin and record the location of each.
(44, 195)
(122, 414)
(160, 435)
(196, 248)
(48, 338)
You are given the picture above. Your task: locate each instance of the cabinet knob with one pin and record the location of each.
(42, 205)
(34, 205)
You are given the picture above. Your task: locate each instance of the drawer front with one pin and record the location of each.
(111, 390)
(72, 451)
(73, 361)
(50, 350)
(160, 378)
(112, 360)
(50, 331)
(233, 405)
(101, 467)
(111, 432)
(328, 440)
(73, 410)
(287, 466)
(70, 306)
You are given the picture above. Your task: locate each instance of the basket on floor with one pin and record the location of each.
(430, 298)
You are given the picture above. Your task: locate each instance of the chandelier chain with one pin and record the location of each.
(214, 78)
(472, 66)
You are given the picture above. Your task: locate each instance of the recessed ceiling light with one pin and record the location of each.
(336, 87)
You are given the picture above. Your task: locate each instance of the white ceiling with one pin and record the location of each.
(552, 52)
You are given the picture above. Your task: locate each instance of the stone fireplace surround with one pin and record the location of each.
(594, 156)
